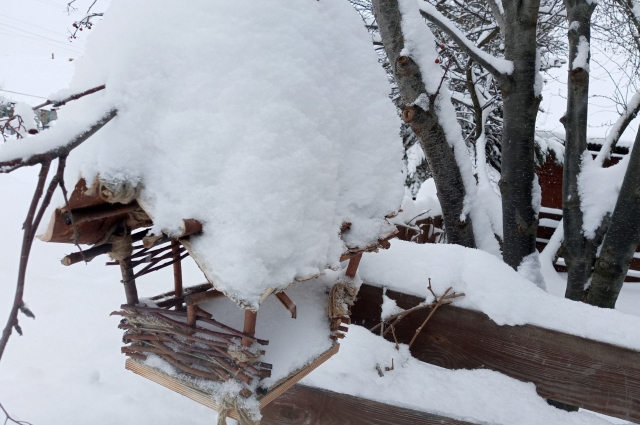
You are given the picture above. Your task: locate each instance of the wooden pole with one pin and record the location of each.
(177, 268)
(250, 318)
(352, 268)
(191, 315)
(130, 289)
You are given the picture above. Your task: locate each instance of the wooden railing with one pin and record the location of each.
(566, 368)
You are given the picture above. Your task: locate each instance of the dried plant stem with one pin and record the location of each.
(438, 304)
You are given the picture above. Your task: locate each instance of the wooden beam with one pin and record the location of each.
(130, 289)
(202, 297)
(566, 368)
(352, 267)
(91, 253)
(82, 215)
(303, 405)
(287, 303)
(250, 318)
(177, 268)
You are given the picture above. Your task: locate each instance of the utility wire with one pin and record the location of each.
(41, 43)
(37, 35)
(33, 25)
(24, 94)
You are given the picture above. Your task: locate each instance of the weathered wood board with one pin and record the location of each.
(302, 405)
(577, 371)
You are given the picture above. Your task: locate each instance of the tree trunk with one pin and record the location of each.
(621, 240)
(425, 125)
(579, 251)
(518, 145)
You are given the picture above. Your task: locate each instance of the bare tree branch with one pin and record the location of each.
(70, 98)
(484, 59)
(9, 418)
(14, 164)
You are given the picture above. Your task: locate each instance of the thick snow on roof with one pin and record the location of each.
(269, 122)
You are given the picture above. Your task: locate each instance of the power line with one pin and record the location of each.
(37, 35)
(61, 7)
(33, 25)
(41, 43)
(24, 94)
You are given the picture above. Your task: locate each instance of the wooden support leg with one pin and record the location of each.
(250, 318)
(130, 289)
(191, 315)
(177, 268)
(352, 268)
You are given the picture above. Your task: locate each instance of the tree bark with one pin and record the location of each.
(425, 125)
(520, 108)
(579, 251)
(621, 240)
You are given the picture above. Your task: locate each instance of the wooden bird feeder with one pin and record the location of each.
(175, 328)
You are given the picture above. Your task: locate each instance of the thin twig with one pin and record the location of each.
(27, 239)
(9, 418)
(438, 304)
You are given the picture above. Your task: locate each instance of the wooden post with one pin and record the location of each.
(177, 268)
(250, 318)
(352, 268)
(130, 289)
(191, 315)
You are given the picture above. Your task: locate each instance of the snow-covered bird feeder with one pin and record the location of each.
(259, 141)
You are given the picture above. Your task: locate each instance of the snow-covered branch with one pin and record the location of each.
(76, 96)
(498, 12)
(498, 67)
(631, 110)
(9, 165)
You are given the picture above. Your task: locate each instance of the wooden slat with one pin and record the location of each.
(577, 371)
(303, 405)
(205, 399)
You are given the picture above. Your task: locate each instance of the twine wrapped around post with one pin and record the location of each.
(229, 403)
(121, 246)
(341, 298)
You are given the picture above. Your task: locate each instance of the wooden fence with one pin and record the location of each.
(581, 372)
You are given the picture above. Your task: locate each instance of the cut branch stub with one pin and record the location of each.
(188, 227)
(408, 114)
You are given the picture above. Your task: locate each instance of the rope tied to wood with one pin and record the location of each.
(242, 356)
(122, 246)
(341, 298)
(245, 416)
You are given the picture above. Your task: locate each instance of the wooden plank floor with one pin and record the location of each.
(590, 374)
(302, 405)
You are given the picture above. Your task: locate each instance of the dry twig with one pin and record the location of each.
(438, 304)
(9, 418)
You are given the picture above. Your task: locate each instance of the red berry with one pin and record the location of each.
(442, 46)
(437, 60)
